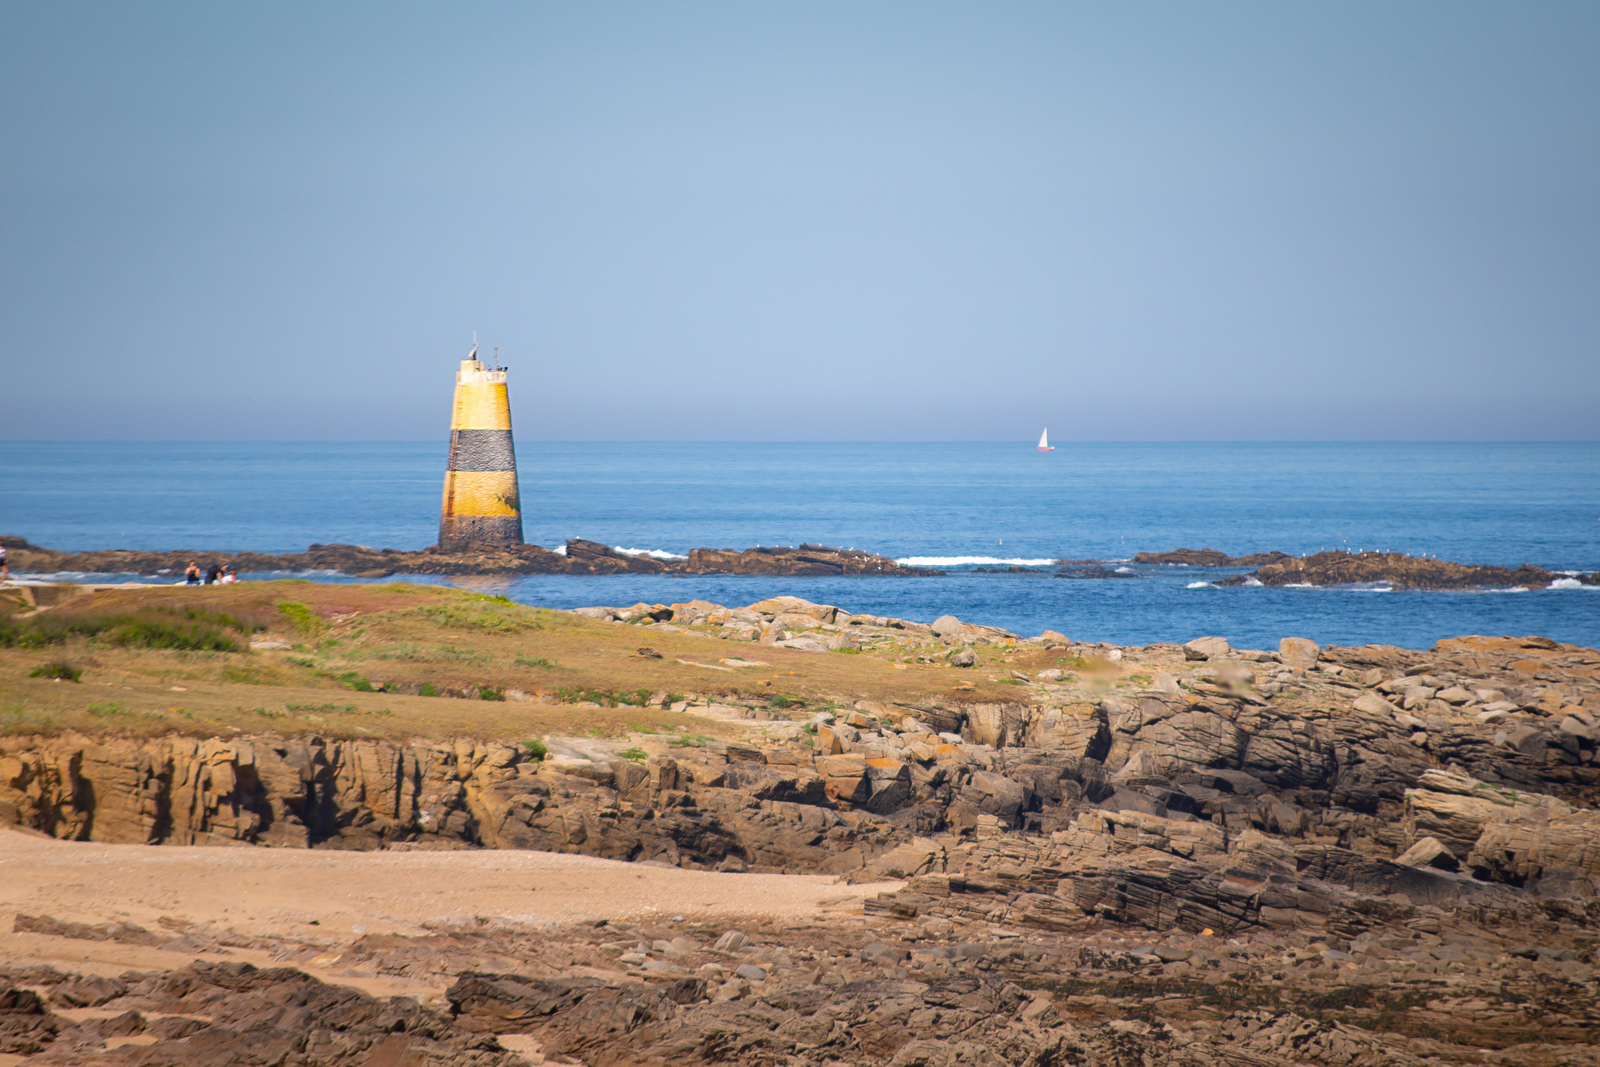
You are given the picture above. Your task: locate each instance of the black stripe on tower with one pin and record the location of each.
(482, 450)
(458, 532)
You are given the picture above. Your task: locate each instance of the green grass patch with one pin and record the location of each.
(159, 626)
(638, 755)
(524, 660)
(537, 749)
(486, 614)
(19, 719)
(427, 690)
(306, 622)
(491, 692)
(110, 709)
(354, 680)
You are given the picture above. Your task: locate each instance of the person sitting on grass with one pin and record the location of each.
(191, 574)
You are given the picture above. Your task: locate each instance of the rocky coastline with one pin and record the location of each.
(1159, 855)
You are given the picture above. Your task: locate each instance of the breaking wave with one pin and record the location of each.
(1571, 583)
(1251, 579)
(653, 553)
(971, 561)
(1201, 585)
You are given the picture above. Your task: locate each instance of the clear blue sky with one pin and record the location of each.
(821, 221)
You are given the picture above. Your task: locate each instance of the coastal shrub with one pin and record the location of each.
(489, 692)
(109, 709)
(783, 700)
(537, 749)
(306, 622)
(524, 660)
(427, 690)
(57, 668)
(638, 755)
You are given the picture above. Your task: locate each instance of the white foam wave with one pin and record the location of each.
(1571, 583)
(1252, 580)
(1511, 589)
(971, 561)
(1124, 570)
(1199, 585)
(1299, 585)
(653, 553)
(560, 550)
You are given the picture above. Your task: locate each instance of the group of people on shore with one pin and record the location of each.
(216, 574)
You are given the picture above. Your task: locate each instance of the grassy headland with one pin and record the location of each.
(407, 661)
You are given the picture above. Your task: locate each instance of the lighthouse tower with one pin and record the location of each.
(481, 505)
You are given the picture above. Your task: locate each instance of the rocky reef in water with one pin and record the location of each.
(1362, 568)
(1402, 572)
(578, 557)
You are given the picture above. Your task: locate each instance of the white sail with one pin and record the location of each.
(1044, 438)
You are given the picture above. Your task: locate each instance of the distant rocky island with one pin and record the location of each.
(577, 556)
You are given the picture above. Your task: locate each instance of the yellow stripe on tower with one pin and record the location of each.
(486, 493)
(481, 405)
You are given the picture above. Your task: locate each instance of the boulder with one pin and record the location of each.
(1298, 652)
(1207, 648)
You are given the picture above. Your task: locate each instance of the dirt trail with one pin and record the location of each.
(277, 892)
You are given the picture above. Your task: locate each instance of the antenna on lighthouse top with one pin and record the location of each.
(474, 353)
(496, 357)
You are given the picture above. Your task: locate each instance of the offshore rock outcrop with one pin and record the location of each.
(1361, 568)
(577, 557)
(1402, 572)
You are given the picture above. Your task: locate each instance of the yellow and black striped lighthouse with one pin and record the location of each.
(481, 503)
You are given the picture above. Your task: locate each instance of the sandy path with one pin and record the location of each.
(277, 892)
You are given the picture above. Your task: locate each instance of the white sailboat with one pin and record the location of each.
(1044, 441)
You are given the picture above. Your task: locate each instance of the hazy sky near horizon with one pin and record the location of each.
(829, 221)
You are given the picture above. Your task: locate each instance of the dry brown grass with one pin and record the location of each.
(402, 637)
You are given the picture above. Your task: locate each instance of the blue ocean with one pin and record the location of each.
(960, 507)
